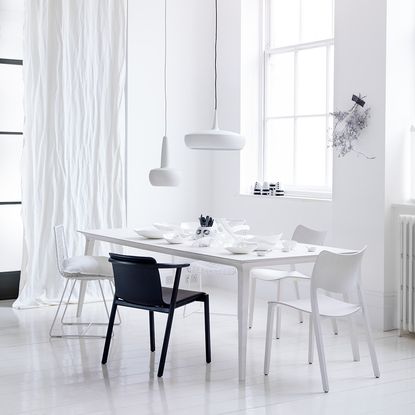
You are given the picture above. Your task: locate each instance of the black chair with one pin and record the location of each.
(138, 285)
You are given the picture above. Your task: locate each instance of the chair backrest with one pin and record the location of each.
(304, 235)
(61, 248)
(338, 273)
(137, 280)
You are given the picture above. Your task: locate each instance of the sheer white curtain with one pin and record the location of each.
(72, 167)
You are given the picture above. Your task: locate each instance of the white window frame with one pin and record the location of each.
(324, 192)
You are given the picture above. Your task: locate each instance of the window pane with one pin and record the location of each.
(10, 238)
(11, 29)
(11, 98)
(311, 142)
(10, 154)
(311, 82)
(284, 22)
(279, 151)
(330, 78)
(316, 20)
(281, 85)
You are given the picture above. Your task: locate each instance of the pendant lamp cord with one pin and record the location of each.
(216, 55)
(165, 68)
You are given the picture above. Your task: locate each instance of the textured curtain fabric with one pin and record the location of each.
(72, 166)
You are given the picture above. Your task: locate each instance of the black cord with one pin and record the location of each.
(216, 54)
(165, 68)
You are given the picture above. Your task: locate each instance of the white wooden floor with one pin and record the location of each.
(43, 376)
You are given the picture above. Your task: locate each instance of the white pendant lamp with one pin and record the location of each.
(215, 139)
(164, 176)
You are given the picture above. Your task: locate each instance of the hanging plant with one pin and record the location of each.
(348, 126)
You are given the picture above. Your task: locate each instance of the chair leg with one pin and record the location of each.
(268, 337)
(369, 337)
(252, 302)
(334, 325)
(103, 299)
(278, 324)
(207, 330)
(152, 332)
(109, 333)
(81, 297)
(297, 293)
(189, 276)
(320, 351)
(353, 337)
(113, 293)
(333, 320)
(310, 341)
(353, 340)
(58, 309)
(165, 343)
(67, 303)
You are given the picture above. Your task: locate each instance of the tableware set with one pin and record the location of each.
(204, 233)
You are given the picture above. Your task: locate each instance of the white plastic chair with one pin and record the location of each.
(79, 268)
(335, 273)
(303, 235)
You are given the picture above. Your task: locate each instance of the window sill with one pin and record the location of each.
(310, 197)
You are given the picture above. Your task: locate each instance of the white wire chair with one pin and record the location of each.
(77, 269)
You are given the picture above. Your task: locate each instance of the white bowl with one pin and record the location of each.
(241, 248)
(166, 227)
(173, 238)
(149, 233)
(266, 242)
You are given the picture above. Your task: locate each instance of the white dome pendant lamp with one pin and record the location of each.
(164, 176)
(215, 139)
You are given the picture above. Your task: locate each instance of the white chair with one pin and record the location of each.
(303, 235)
(335, 273)
(79, 268)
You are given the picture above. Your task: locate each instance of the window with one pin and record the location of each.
(11, 140)
(297, 95)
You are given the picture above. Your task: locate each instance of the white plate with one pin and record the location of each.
(149, 233)
(173, 238)
(245, 249)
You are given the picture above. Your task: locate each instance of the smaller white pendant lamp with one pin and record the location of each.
(164, 176)
(215, 139)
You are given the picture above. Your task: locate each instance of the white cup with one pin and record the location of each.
(288, 245)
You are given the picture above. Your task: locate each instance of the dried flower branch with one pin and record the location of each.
(347, 127)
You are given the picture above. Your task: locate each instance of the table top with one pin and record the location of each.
(127, 237)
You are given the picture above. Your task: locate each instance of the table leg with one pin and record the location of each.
(243, 297)
(89, 247)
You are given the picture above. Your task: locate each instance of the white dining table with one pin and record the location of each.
(243, 263)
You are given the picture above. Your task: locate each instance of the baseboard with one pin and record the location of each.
(9, 285)
(382, 309)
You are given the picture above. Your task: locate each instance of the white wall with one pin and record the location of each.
(358, 183)
(190, 100)
(400, 114)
